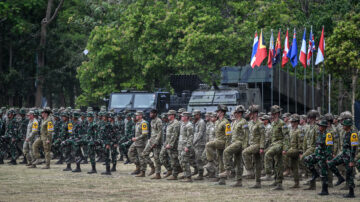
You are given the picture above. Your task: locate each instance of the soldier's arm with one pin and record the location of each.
(246, 135)
(175, 136)
(189, 141)
(262, 136)
(158, 129)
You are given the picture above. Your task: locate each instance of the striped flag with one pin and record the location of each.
(254, 50)
(302, 57)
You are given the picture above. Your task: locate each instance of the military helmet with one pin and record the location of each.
(295, 118)
(89, 109)
(207, 113)
(313, 114)
(323, 122)
(222, 107)
(46, 110)
(171, 112)
(76, 114)
(240, 108)
(213, 114)
(102, 113)
(22, 111)
(196, 112)
(275, 109)
(265, 117)
(254, 108)
(65, 114)
(329, 117)
(346, 115)
(347, 122)
(111, 114)
(128, 115)
(303, 117)
(11, 111)
(286, 115)
(181, 110)
(188, 114)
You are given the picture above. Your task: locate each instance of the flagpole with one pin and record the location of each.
(329, 93)
(295, 92)
(279, 75)
(288, 90)
(305, 90)
(272, 72)
(312, 77)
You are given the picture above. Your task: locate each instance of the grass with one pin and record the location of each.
(18, 183)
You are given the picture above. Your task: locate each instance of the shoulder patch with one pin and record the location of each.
(354, 139)
(246, 126)
(50, 126)
(329, 139)
(70, 127)
(144, 129)
(228, 129)
(35, 126)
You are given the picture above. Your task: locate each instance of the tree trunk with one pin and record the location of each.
(353, 86)
(340, 96)
(41, 55)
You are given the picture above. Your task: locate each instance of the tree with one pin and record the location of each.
(343, 51)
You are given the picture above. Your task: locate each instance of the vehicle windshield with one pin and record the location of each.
(144, 100)
(121, 100)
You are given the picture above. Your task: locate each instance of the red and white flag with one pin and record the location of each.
(302, 57)
(285, 59)
(321, 49)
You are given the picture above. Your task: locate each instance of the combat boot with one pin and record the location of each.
(46, 167)
(286, 173)
(187, 179)
(32, 166)
(68, 167)
(324, 189)
(136, 171)
(278, 187)
(200, 176)
(225, 174)
(121, 158)
(267, 177)
(340, 179)
(172, 177)
(84, 161)
(141, 174)
(274, 184)
(196, 171)
(12, 162)
(256, 186)
(60, 161)
(296, 185)
(113, 169)
(107, 172)
(250, 174)
(156, 177)
(78, 169)
(37, 162)
(1, 161)
(312, 185)
(238, 183)
(181, 177)
(152, 171)
(168, 174)
(222, 181)
(350, 194)
(24, 161)
(93, 169)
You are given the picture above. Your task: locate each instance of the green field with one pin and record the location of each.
(18, 183)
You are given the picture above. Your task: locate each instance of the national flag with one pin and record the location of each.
(277, 52)
(261, 51)
(311, 47)
(302, 57)
(285, 59)
(271, 51)
(292, 54)
(254, 50)
(321, 49)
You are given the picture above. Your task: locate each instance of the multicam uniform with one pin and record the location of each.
(186, 138)
(137, 148)
(154, 144)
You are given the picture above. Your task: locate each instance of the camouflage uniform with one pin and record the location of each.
(199, 144)
(12, 137)
(172, 139)
(92, 140)
(154, 144)
(186, 138)
(125, 141)
(32, 134)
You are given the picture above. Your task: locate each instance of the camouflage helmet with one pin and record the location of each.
(90, 114)
(76, 114)
(128, 115)
(102, 113)
(347, 122)
(295, 118)
(313, 114)
(329, 117)
(303, 117)
(46, 110)
(323, 122)
(275, 109)
(222, 107)
(239, 108)
(286, 115)
(213, 114)
(265, 117)
(11, 111)
(254, 108)
(181, 110)
(346, 115)
(65, 114)
(89, 109)
(207, 113)
(22, 111)
(111, 114)
(171, 112)
(196, 112)
(187, 114)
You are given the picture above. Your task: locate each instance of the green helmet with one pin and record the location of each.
(323, 122)
(76, 114)
(22, 111)
(90, 114)
(347, 122)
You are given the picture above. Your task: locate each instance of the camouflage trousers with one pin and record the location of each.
(185, 158)
(308, 152)
(135, 156)
(91, 150)
(249, 154)
(274, 152)
(216, 146)
(198, 157)
(343, 159)
(169, 158)
(28, 151)
(47, 149)
(293, 157)
(110, 154)
(156, 152)
(234, 150)
(312, 160)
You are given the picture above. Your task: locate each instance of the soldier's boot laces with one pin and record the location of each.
(324, 189)
(256, 186)
(350, 194)
(267, 177)
(141, 174)
(68, 167)
(113, 169)
(152, 171)
(107, 172)
(78, 169)
(156, 177)
(93, 169)
(169, 173)
(237, 184)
